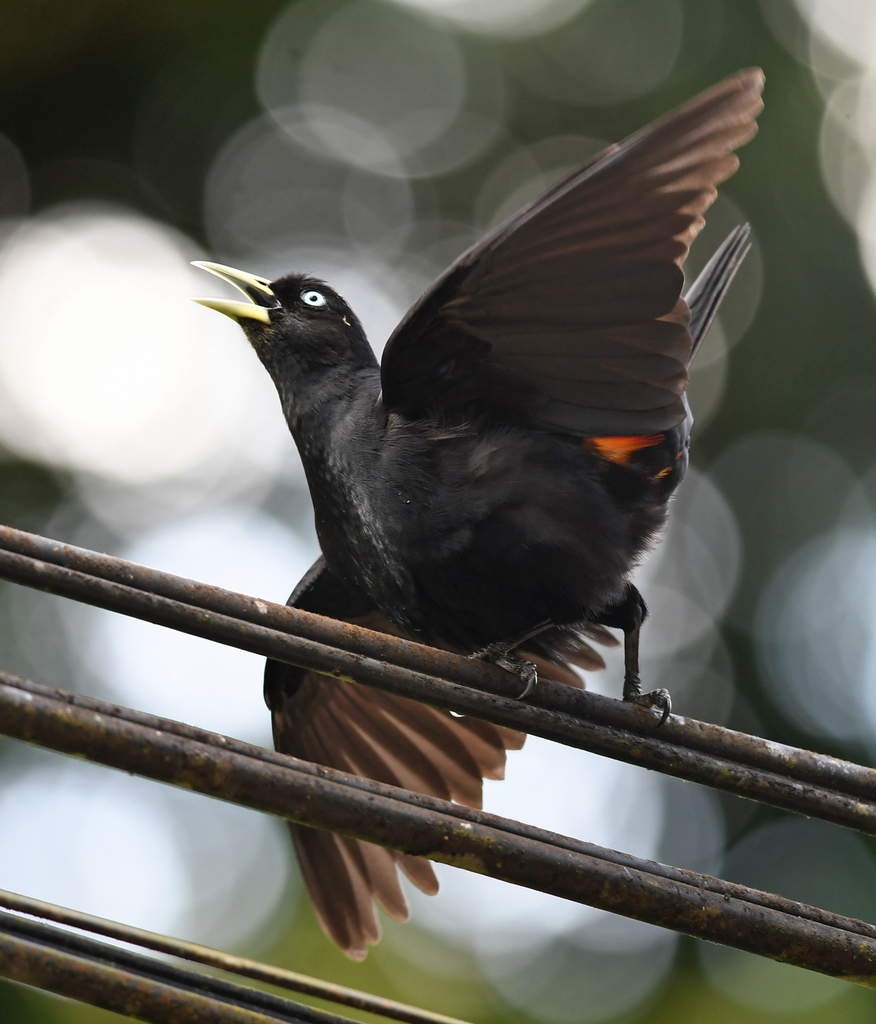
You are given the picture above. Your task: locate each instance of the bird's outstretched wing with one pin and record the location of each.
(381, 737)
(569, 315)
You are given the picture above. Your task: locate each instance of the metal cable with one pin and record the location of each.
(139, 986)
(243, 966)
(773, 773)
(697, 905)
(466, 814)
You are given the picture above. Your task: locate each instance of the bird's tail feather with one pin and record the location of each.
(392, 740)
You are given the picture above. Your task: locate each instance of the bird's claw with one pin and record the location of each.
(655, 699)
(526, 671)
(520, 667)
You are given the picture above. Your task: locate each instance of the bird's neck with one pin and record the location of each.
(318, 379)
(337, 427)
(325, 408)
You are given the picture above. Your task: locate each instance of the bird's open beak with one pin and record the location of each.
(256, 289)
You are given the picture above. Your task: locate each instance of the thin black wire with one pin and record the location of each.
(243, 966)
(751, 767)
(97, 966)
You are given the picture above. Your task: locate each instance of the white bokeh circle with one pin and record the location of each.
(107, 368)
(850, 25)
(129, 850)
(820, 864)
(183, 677)
(508, 18)
(266, 191)
(85, 840)
(379, 87)
(814, 634)
(565, 790)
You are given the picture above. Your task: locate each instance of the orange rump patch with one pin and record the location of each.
(621, 449)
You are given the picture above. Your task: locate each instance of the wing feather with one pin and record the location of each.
(593, 262)
(389, 739)
(378, 736)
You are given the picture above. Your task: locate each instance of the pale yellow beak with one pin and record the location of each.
(256, 289)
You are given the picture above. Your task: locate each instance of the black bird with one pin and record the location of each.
(491, 485)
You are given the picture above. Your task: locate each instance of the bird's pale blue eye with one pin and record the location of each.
(313, 298)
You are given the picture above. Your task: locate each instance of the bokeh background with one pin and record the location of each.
(371, 142)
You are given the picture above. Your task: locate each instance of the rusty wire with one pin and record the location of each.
(247, 968)
(758, 769)
(313, 795)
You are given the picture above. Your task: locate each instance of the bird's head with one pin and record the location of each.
(297, 324)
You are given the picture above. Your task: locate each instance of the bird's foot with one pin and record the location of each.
(654, 699)
(497, 654)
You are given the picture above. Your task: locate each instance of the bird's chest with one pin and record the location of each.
(364, 510)
(387, 508)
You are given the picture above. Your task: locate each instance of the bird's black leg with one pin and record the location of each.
(500, 654)
(628, 615)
